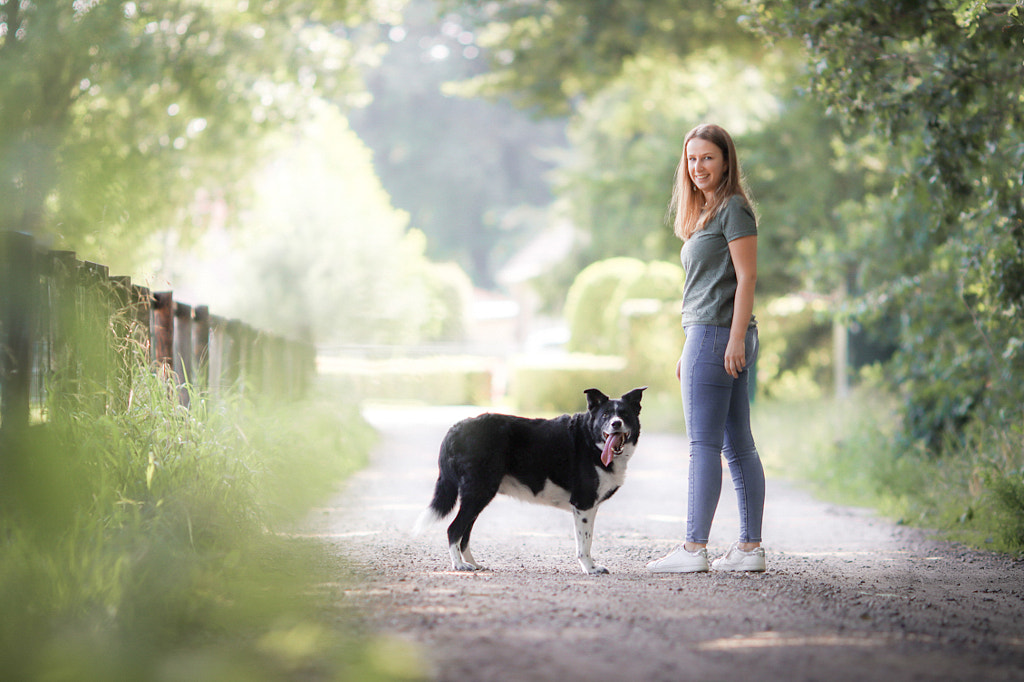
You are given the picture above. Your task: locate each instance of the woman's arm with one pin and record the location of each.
(744, 259)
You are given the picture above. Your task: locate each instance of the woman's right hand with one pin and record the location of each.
(679, 369)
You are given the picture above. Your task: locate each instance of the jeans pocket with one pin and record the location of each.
(719, 342)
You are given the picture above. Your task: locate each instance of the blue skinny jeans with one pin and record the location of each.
(717, 412)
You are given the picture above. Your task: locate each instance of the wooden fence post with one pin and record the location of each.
(18, 286)
(201, 346)
(248, 382)
(218, 351)
(256, 362)
(142, 307)
(123, 323)
(94, 339)
(183, 366)
(163, 331)
(65, 315)
(232, 373)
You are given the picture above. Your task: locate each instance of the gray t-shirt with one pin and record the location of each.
(709, 291)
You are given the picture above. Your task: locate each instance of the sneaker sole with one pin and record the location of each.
(679, 570)
(748, 567)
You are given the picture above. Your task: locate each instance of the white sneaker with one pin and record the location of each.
(681, 561)
(738, 560)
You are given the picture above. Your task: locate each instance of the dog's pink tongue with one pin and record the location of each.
(610, 444)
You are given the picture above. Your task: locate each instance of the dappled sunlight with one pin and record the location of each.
(773, 640)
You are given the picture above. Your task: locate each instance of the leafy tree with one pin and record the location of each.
(558, 53)
(627, 139)
(933, 91)
(323, 252)
(113, 113)
(470, 172)
(635, 77)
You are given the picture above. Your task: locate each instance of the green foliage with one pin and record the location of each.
(587, 304)
(653, 340)
(795, 355)
(625, 307)
(438, 380)
(849, 451)
(627, 139)
(113, 114)
(552, 54)
(470, 172)
(932, 88)
(555, 385)
(1008, 498)
(142, 545)
(450, 293)
(324, 254)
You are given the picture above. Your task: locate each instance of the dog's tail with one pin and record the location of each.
(446, 493)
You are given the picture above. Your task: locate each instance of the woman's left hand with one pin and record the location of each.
(735, 357)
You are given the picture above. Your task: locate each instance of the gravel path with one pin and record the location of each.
(847, 596)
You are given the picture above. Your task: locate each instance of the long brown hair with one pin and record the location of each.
(689, 207)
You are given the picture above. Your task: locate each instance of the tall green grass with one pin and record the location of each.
(144, 545)
(849, 451)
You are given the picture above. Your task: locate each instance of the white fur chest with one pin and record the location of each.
(607, 482)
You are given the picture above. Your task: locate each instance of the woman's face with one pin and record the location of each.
(705, 163)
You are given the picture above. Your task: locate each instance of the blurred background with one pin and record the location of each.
(464, 202)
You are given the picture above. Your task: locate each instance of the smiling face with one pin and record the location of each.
(705, 163)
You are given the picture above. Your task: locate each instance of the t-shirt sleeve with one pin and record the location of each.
(739, 219)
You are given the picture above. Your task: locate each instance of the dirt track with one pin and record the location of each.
(847, 596)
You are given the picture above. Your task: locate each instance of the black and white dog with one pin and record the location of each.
(571, 462)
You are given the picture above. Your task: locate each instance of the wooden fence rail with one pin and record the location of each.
(66, 327)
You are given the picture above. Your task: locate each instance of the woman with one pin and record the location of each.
(714, 219)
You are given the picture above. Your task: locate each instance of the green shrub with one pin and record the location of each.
(555, 385)
(450, 297)
(589, 299)
(437, 380)
(625, 307)
(1008, 502)
(655, 342)
(658, 281)
(849, 452)
(795, 357)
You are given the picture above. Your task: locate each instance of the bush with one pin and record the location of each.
(658, 281)
(556, 384)
(1008, 501)
(795, 359)
(589, 300)
(436, 380)
(655, 342)
(451, 292)
(623, 306)
(849, 451)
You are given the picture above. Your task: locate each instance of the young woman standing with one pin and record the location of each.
(714, 219)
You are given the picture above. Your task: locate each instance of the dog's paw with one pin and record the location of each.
(595, 569)
(466, 566)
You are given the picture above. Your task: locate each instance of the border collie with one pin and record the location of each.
(571, 462)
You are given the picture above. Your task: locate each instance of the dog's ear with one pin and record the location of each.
(634, 396)
(595, 398)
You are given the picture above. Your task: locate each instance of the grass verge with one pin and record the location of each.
(142, 546)
(849, 451)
